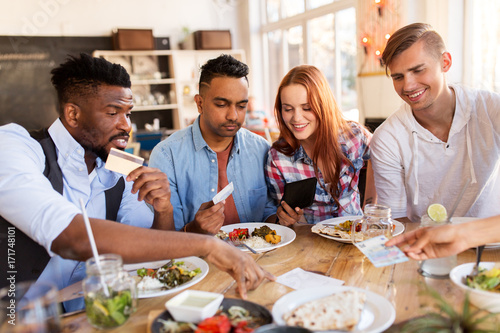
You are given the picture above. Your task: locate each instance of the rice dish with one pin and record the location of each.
(256, 242)
(149, 283)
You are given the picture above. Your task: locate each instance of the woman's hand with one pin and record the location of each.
(287, 215)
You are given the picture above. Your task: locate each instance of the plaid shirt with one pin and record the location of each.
(281, 169)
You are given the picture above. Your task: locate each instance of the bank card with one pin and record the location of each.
(122, 162)
(379, 254)
(224, 193)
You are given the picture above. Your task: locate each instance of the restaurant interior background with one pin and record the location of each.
(341, 37)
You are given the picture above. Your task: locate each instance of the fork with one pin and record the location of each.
(239, 243)
(475, 270)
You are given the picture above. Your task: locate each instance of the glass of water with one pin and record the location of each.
(376, 221)
(29, 307)
(438, 268)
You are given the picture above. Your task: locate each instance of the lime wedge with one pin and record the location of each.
(437, 212)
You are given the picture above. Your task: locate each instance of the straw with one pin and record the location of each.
(93, 246)
(458, 200)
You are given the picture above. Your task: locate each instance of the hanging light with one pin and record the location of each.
(366, 41)
(380, 5)
(378, 54)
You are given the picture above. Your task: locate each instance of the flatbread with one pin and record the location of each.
(340, 311)
(334, 232)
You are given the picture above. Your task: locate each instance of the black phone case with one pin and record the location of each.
(300, 193)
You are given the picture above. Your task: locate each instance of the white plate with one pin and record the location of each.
(378, 313)
(287, 234)
(399, 227)
(190, 262)
(459, 220)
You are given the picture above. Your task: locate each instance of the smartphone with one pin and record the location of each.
(300, 193)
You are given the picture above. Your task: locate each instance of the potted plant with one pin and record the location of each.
(448, 320)
(187, 41)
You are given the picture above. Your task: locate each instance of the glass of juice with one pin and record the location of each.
(109, 292)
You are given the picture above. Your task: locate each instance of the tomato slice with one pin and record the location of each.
(239, 234)
(215, 324)
(242, 328)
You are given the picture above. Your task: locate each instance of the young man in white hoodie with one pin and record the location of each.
(442, 137)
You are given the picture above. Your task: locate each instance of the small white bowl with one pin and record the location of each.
(486, 300)
(193, 306)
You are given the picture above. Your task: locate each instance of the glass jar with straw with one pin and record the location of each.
(109, 292)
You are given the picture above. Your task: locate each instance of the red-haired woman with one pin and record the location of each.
(316, 141)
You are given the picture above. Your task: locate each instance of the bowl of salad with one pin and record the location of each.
(484, 288)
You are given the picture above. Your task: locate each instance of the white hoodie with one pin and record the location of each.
(414, 169)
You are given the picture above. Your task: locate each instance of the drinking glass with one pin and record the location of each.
(29, 307)
(438, 268)
(110, 293)
(376, 221)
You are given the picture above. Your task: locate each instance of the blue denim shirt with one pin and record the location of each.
(191, 167)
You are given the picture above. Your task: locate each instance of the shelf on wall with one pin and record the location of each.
(140, 108)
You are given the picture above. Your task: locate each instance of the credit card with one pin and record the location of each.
(224, 193)
(122, 162)
(379, 254)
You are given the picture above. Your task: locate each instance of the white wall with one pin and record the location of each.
(99, 17)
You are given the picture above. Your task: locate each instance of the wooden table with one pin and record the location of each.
(311, 252)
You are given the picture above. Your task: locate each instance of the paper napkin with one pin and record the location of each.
(300, 279)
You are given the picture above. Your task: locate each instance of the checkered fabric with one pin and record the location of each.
(281, 169)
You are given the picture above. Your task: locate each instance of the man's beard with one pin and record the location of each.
(101, 151)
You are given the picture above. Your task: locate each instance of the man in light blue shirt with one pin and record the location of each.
(95, 103)
(202, 159)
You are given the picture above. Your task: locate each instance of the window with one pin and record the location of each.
(317, 32)
(482, 70)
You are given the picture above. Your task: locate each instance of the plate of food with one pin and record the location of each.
(484, 288)
(335, 309)
(261, 237)
(159, 278)
(338, 228)
(233, 313)
(459, 220)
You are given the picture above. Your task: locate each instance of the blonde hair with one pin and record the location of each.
(405, 37)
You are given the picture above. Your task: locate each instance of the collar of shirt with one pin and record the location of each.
(72, 155)
(200, 143)
(460, 118)
(301, 154)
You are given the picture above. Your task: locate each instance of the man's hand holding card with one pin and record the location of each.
(151, 184)
(210, 217)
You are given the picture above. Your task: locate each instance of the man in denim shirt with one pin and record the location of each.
(203, 158)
